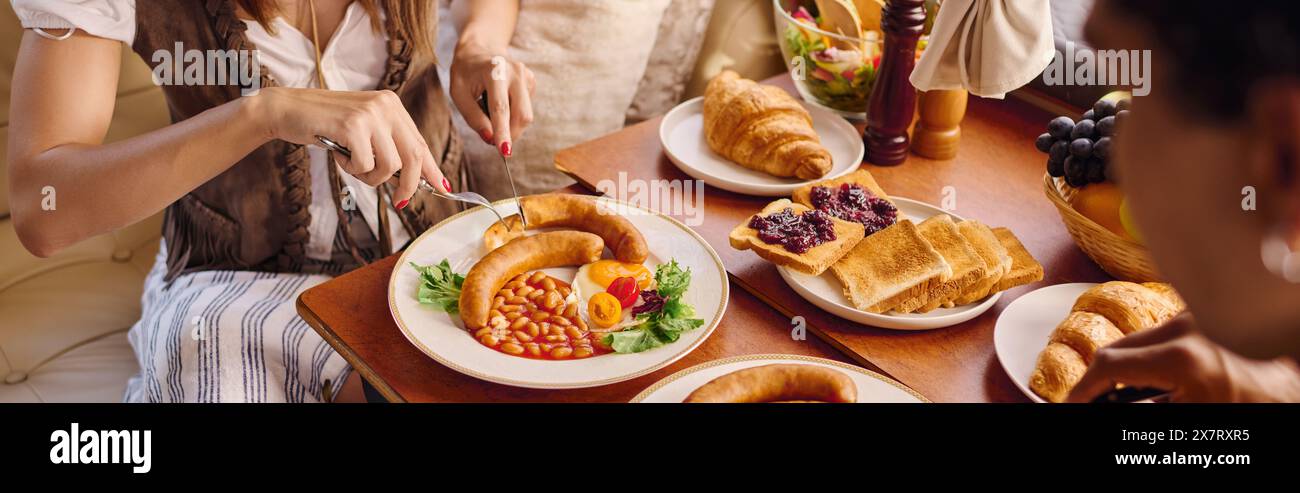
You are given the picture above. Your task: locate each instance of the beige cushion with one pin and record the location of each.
(95, 371)
(58, 311)
(681, 34)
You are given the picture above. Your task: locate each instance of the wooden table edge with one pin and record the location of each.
(344, 350)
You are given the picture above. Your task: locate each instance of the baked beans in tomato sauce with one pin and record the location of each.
(530, 318)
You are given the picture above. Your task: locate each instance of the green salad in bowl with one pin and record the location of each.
(830, 69)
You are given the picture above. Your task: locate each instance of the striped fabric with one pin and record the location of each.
(235, 336)
(227, 336)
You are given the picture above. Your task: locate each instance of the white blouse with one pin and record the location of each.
(353, 60)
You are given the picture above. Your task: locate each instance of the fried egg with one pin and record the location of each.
(597, 276)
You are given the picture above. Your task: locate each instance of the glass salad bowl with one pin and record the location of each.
(830, 70)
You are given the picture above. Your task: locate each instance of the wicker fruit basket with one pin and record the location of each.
(1120, 257)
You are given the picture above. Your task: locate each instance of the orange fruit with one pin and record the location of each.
(1101, 202)
(1130, 226)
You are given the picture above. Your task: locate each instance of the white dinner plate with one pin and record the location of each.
(682, 134)
(827, 293)
(459, 239)
(1026, 325)
(872, 386)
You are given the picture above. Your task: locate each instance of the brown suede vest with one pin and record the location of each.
(254, 215)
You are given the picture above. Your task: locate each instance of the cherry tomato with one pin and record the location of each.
(625, 289)
(604, 310)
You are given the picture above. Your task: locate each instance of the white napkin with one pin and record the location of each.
(988, 47)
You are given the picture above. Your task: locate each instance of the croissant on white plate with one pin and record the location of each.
(762, 128)
(1101, 315)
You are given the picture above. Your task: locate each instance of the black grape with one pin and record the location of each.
(1044, 142)
(1083, 130)
(1089, 115)
(1106, 127)
(1060, 127)
(1101, 149)
(1103, 108)
(1076, 171)
(1081, 148)
(1056, 168)
(1059, 151)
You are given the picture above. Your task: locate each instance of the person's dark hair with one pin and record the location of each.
(1217, 51)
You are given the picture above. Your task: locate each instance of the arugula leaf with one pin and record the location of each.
(439, 286)
(671, 281)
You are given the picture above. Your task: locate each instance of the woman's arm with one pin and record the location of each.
(490, 24)
(481, 63)
(62, 104)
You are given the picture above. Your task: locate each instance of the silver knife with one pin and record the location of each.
(483, 105)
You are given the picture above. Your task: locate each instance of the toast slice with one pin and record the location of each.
(995, 256)
(803, 195)
(968, 267)
(889, 269)
(812, 262)
(1024, 269)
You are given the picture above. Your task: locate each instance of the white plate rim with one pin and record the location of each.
(773, 357)
(710, 327)
(894, 322)
(758, 189)
(999, 333)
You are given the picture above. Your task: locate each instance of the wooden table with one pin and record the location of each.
(351, 313)
(996, 179)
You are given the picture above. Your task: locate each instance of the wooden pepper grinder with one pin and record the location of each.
(938, 130)
(893, 99)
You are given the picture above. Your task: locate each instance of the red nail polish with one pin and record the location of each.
(505, 148)
(402, 204)
(446, 184)
(486, 134)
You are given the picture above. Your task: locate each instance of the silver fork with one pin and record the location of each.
(467, 197)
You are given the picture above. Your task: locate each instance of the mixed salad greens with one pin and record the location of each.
(838, 78)
(838, 74)
(663, 314)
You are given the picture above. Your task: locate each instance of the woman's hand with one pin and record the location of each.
(1175, 357)
(372, 124)
(480, 65)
